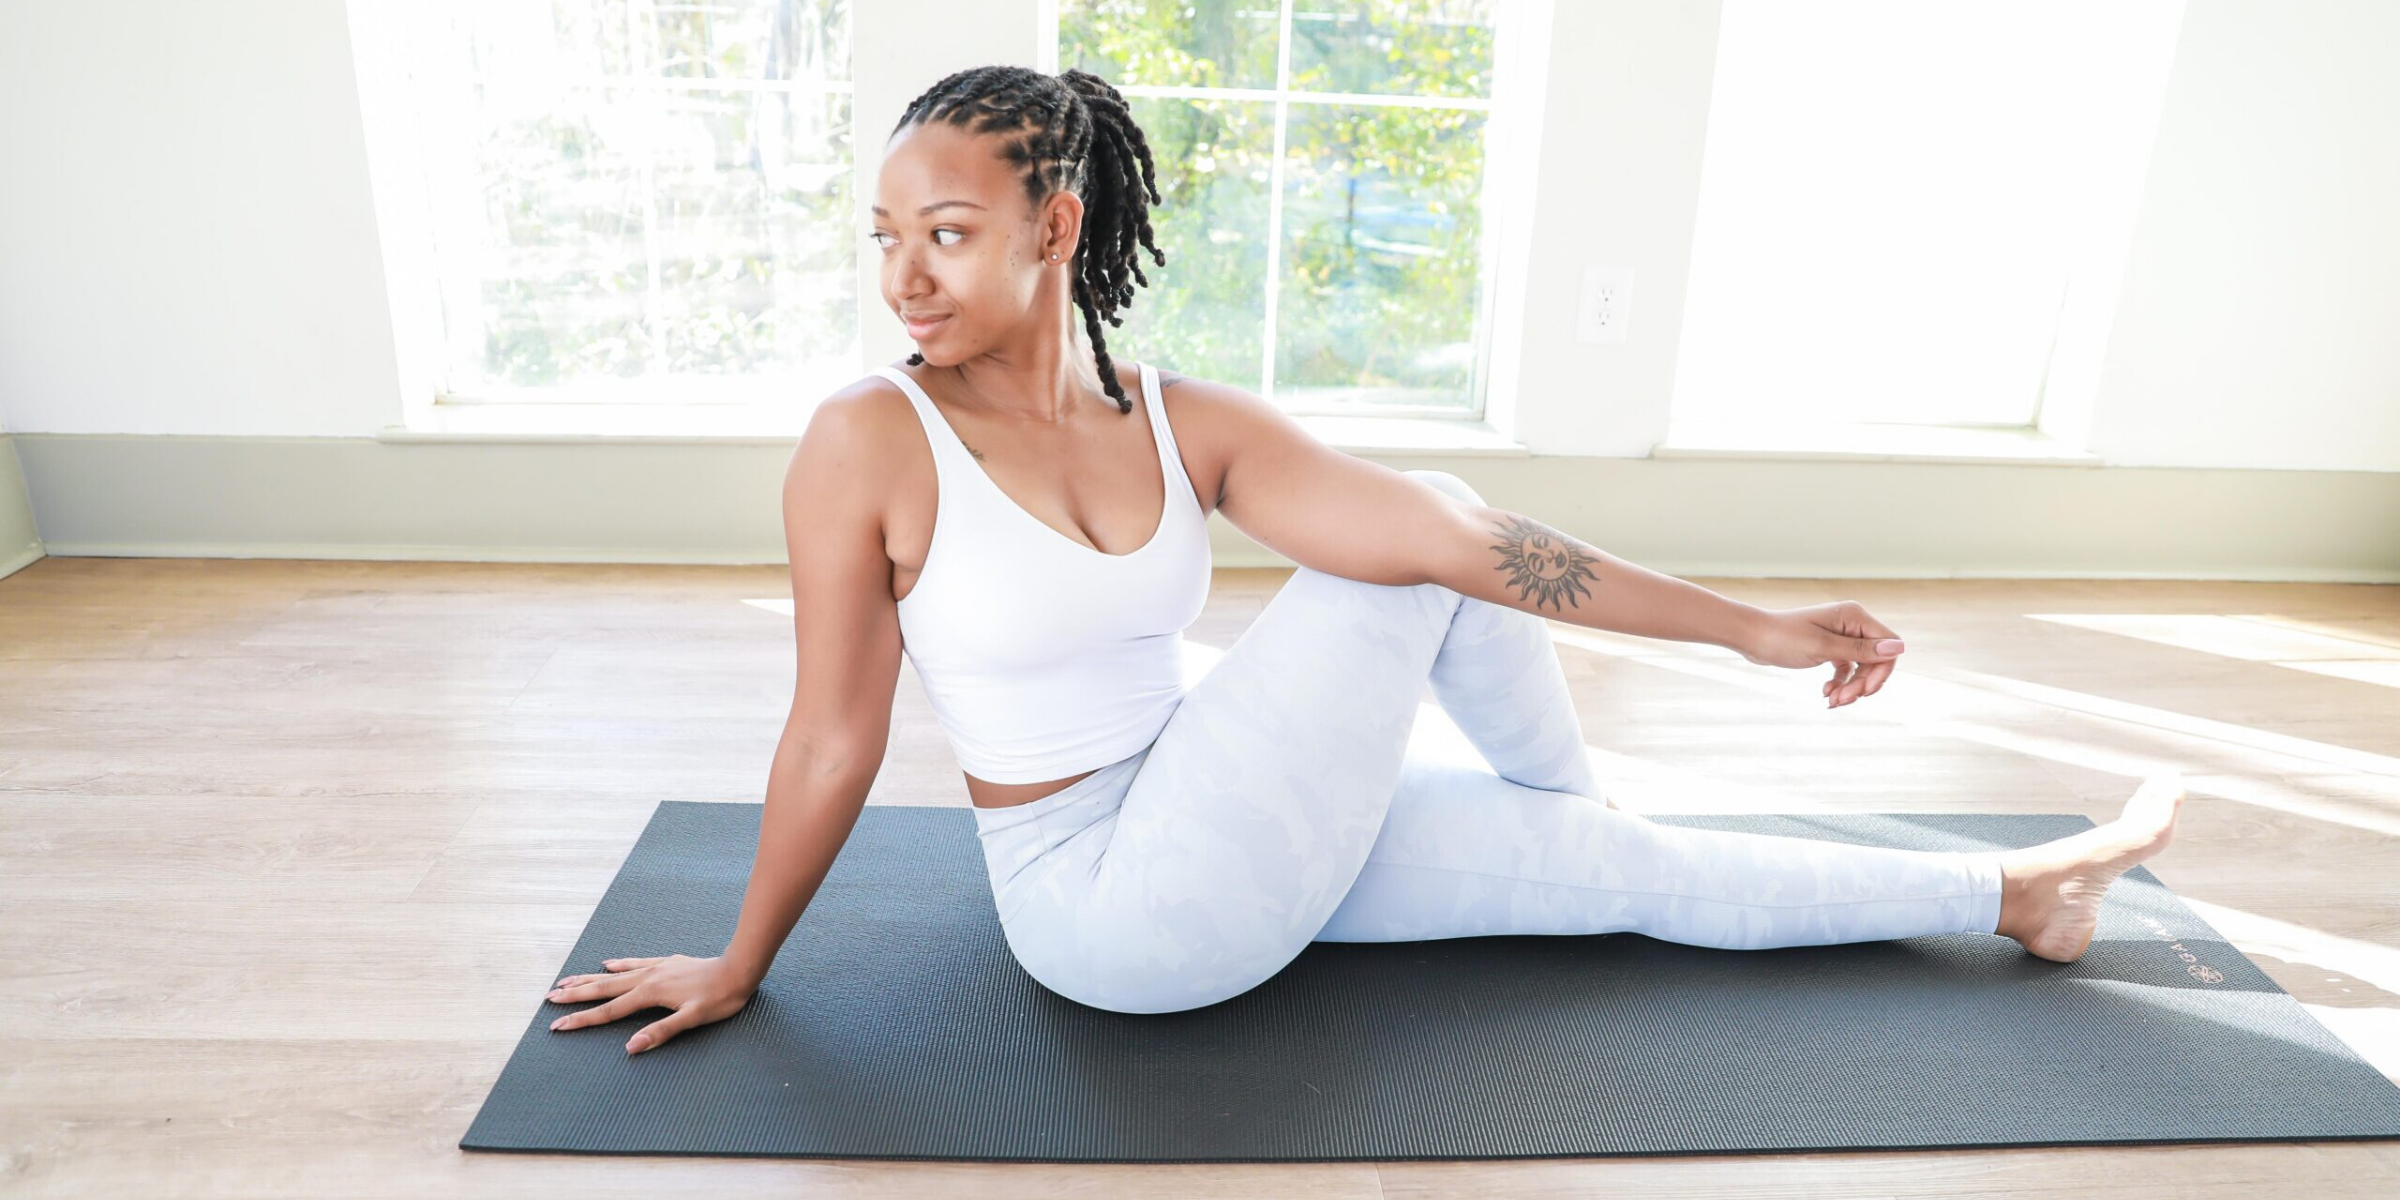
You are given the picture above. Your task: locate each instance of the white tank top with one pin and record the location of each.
(1043, 657)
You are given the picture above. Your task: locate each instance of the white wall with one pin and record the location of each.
(20, 541)
(1624, 121)
(192, 246)
(187, 227)
(2256, 323)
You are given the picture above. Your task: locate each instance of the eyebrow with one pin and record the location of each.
(878, 209)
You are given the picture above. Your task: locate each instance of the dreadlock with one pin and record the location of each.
(1070, 131)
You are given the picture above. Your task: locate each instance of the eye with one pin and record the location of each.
(879, 234)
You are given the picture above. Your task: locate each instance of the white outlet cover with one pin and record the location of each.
(1604, 305)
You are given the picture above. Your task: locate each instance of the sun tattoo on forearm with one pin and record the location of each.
(1542, 562)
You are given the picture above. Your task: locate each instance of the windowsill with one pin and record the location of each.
(726, 424)
(1871, 442)
(611, 424)
(1446, 436)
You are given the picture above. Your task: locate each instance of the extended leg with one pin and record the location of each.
(1465, 853)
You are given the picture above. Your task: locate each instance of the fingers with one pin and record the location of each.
(577, 988)
(1875, 676)
(602, 1015)
(1865, 682)
(1842, 672)
(658, 1031)
(614, 964)
(620, 984)
(1870, 627)
(1877, 646)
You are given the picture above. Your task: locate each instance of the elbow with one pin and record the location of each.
(1462, 557)
(819, 758)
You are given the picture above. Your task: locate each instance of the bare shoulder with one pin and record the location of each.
(1208, 399)
(1223, 414)
(1214, 421)
(855, 446)
(869, 391)
(858, 421)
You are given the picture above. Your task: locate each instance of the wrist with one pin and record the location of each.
(1749, 627)
(747, 970)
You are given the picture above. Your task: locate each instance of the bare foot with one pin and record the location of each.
(2050, 894)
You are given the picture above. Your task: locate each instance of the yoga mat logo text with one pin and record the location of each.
(2191, 962)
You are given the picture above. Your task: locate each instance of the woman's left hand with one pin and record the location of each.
(1860, 648)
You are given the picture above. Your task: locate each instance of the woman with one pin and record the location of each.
(1156, 847)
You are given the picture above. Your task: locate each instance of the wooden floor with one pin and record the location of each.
(290, 850)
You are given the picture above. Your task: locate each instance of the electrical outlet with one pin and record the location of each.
(1601, 312)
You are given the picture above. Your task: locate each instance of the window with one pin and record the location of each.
(639, 201)
(1321, 169)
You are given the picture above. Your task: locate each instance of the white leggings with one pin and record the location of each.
(1285, 801)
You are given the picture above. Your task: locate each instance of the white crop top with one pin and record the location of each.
(1043, 657)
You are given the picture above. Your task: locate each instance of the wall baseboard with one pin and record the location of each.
(20, 541)
(20, 560)
(358, 498)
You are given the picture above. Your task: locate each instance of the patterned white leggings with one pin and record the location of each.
(1285, 802)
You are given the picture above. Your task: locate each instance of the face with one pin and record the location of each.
(979, 271)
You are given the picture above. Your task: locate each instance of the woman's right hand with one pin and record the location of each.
(700, 990)
(1861, 649)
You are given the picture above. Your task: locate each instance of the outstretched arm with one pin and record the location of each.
(1509, 558)
(1346, 516)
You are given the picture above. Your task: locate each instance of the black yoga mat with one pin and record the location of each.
(896, 1025)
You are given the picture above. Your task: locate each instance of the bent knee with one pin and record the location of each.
(1122, 979)
(1141, 993)
(1447, 483)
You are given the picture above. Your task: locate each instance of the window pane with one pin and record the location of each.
(770, 40)
(544, 43)
(1204, 313)
(1393, 47)
(751, 39)
(1377, 292)
(1381, 272)
(755, 261)
(554, 281)
(654, 196)
(1155, 43)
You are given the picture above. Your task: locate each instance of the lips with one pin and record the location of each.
(919, 326)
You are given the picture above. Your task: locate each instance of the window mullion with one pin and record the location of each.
(1283, 104)
(654, 313)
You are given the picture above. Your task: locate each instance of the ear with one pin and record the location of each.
(1062, 227)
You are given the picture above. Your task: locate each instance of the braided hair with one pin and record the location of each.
(1070, 131)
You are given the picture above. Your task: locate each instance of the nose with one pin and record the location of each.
(906, 274)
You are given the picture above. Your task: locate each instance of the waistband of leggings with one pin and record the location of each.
(991, 820)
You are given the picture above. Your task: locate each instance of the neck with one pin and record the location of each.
(1042, 377)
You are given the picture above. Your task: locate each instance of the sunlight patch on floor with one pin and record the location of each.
(2220, 760)
(2254, 637)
